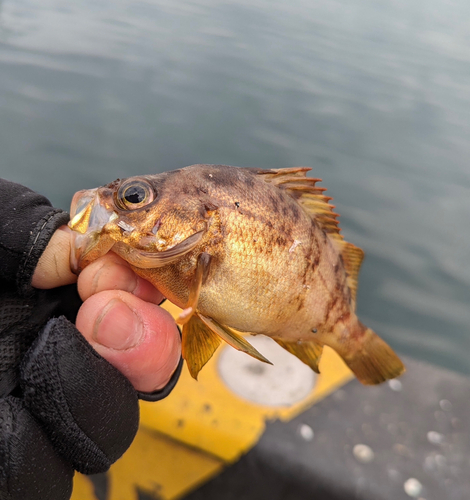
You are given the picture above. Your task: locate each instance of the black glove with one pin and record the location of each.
(62, 406)
(73, 410)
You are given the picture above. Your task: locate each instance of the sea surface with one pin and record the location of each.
(374, 95)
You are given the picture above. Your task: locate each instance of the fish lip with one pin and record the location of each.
(79, 249)
(80, 201)
(88, 216)
(149, 260)
(82, 244)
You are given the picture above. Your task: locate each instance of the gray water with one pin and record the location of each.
(373, 94)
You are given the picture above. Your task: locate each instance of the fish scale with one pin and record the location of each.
(239, 250)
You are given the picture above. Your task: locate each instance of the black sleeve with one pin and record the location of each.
(28, 221)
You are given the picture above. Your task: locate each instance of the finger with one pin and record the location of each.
(138, 338)
(53, 267)
(110, 272)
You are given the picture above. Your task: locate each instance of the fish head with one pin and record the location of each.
(147, 220)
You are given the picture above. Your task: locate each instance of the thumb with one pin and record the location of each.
(138, 338)
(53, 268)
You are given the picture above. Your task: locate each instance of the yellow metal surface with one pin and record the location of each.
(155, 465)
(202, 426)
(82, 488)
(206, 414)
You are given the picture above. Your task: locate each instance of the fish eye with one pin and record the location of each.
(134, 194)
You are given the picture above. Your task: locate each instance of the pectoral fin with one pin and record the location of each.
(308, 352)
(199, 343)
(234, 339)
(202, 269)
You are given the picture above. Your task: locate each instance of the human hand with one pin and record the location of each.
(74, 410)
(120, 316)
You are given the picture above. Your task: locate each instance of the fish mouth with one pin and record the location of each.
(89, 216)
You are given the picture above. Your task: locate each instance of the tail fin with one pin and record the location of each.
(373, 361)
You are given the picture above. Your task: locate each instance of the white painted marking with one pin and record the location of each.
(285, 383)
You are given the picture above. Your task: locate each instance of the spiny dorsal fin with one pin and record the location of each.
(309, 196)
(352, 257)
(198, 344)
(308, 352)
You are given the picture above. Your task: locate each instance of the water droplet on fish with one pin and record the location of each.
(395, 385)
(363, 453)
(306, 432)
(294, 245)
(412, 487)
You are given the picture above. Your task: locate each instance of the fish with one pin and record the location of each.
(240, 251)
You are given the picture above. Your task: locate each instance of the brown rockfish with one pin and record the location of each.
(239, 250)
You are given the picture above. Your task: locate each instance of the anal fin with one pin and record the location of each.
(198, 345)
(308, 352)
(232, 338)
